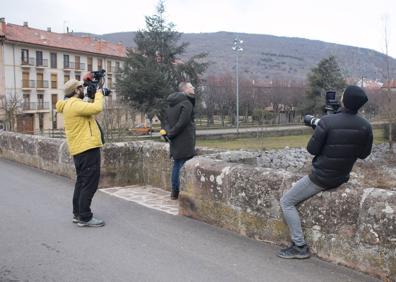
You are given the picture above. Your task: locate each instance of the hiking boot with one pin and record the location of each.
(75, 219)
(175, 195)
(94, 222)
(293, 251)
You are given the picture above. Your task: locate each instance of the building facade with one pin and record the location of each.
(34, 66)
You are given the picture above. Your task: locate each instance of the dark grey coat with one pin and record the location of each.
(180, 125)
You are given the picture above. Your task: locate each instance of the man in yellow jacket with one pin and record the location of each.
(84, 140)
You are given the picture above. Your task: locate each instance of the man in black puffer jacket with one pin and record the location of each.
(180, 127)
(338, 140)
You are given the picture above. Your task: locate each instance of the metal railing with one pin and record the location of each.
(74, 66)
(35, 106)
(28, 62)
(80, 66)
(26, 83)
(42, 84)
(52, 133)
(68, 65)
(42, 63)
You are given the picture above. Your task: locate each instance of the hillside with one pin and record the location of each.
(270, 57)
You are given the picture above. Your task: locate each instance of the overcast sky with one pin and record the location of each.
(351, 22)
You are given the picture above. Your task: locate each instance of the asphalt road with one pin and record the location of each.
(39, 242)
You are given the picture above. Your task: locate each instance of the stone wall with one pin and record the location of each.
(354, 225)
(140, 162)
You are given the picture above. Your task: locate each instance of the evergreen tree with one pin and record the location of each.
(154, 69)
(324, 77)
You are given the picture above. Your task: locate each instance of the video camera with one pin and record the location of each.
(331, 107)
(94, 80)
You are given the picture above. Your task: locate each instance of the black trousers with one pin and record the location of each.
(88, 173)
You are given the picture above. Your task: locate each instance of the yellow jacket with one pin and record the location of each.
(82, 131)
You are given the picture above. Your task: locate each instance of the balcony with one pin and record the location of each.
(41, 84)
(80, 66)
(68, 65)
(43, 63)
(73, 66)
(35, 106)
(28, 62)
(38, 84)
(28, 84)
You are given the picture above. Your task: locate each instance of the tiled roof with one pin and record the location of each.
(61, 40)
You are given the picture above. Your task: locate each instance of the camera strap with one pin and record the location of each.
(101, 132)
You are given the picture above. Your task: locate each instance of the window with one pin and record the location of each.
(40, 80)
(77, 62)
(54, 61)
(66, 62)
(26, 101)
(100, 64)
(40, 101)
(39, 58)
(66, 78)
(89, 63)
(78, 77)
(54, 81)
(109, 67)
(25, 79)
(54, 99)
(41, 121)
(110, 81)
(25, 56)
(117, 64)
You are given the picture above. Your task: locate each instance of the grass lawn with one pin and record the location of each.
(267, 143)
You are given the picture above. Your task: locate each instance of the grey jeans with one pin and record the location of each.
(302, 190)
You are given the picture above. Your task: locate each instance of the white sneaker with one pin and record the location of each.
(94, 222)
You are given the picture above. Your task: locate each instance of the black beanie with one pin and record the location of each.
(354, 98)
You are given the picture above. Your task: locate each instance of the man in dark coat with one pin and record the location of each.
(180, 129)
(338, 140)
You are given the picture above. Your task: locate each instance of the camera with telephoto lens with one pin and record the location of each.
(94, 80)
(331, 107)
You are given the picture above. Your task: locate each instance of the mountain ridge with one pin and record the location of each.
(271, 57)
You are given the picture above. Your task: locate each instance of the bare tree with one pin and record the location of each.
(209, 94)
(117, 119)
(11, 105)
(224, 97)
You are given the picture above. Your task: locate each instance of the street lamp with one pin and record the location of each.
(237, 47)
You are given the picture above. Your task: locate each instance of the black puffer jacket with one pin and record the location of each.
(339, 139)
(180, 125)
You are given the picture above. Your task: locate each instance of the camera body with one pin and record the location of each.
(93, 81)
(331, 107)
